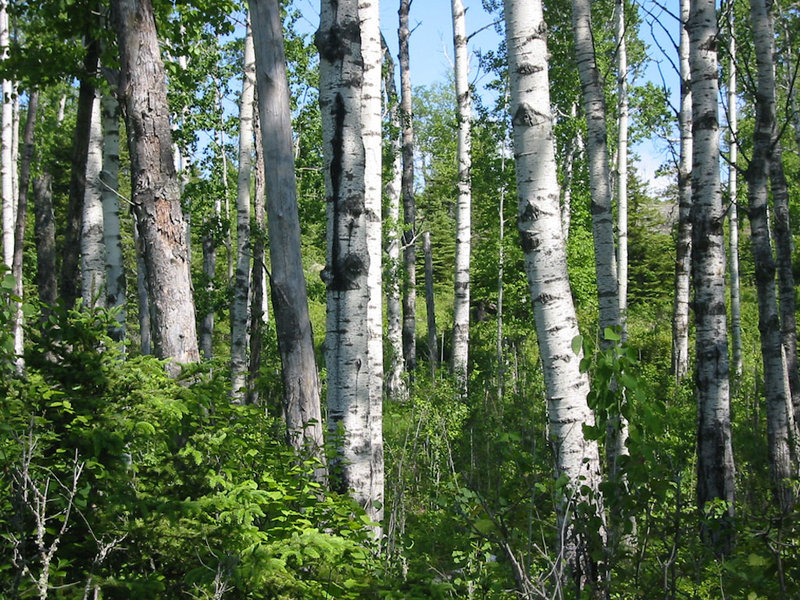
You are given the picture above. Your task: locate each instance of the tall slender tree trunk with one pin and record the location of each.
(258, 277)
(241, 289)
(7, 165)
(733, 209)
(715, 464)
(301, 387)
(93, 259)
(784, 250)
(155, 185)
(19, 228)
(348, 40)
(116, 286)
(571, 151)
(409, 207)
(683, 243)
(433, 351)
(395, 385)
(597, 154)
(464, 202)
(45, 234)
(778, 412)
(70, 263)
(622, 168)
(577, 459)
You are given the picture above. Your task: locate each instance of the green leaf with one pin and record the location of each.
(577, 344)
(611, 335)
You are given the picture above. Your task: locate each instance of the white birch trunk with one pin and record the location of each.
(683, 245)
(464, 202)
(112, 235)
(733, 210)
(6, 146)
(409, 203)
(715, 464)
(597, 154)
(93, 258)
(622, 169)
(349, 44)
(545, 260)
(241, 290)
(395, 385)
(20, 225)
(571, 152)
(430, 306)
(775, 377)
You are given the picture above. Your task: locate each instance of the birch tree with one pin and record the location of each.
(301, 388)
(715, 464)
(464, 202)
(409, 208)
(775, 390)
(70, 284)
(116, 287)
(93, 264)
(241, 287)
(577, 459)
(395, 385)
(733, 210)
(21, 222)
(622, 167)
(597, 156)
(154, 183)
(348, 40)
(683, 243)
(6, 145)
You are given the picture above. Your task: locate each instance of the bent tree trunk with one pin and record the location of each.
(546, 264)
(715, 465)
(154, 182)
(348, 40)
(301, 388)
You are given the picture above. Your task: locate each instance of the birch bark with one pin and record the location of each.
(93, 260)
(778, 415)
(622, 168)
(433, 350)
(683, 244)
(21, 222)
(545, 261)
(70, 264)
(395, 385)
(6, 146)
(301, 388)
(715, 464)
(348, 40)
(155, 185)
(733, 210)
(241, 290)
(258, 281)
(112, 236)
(597, 155)
(464, 202)
(409, 207)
